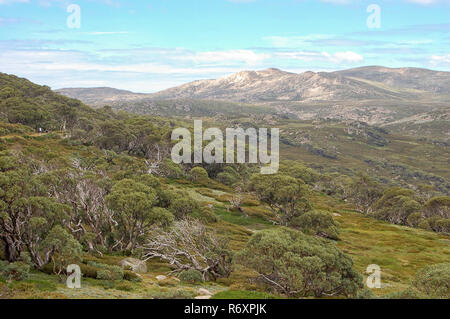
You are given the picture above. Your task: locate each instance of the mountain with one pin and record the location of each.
(276, 85)
(376, 95)
(99, 96)
(403, 78)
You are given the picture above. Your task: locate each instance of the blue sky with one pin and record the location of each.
(149, 45)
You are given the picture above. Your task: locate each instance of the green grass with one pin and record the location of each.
(399, 251)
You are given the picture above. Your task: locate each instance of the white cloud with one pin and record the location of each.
(347, 56)
(437, 60)
(232, 56)
(310, 56)
(294, 41)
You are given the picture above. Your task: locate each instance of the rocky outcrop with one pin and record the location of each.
(134, 265)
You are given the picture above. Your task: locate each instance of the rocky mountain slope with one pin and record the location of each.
(375, 95)
(403, 78)
(276, 85)
(366, 83)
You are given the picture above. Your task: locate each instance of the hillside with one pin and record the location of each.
(97, 187)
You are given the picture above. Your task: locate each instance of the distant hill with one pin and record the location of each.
(36, 106)
(100, 95)
(403, 78)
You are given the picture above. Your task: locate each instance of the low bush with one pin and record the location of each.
(191, 276)
(88, 271)
(124, 286)
(14, 271)
(434, 281)
(298, 265)
(131, 276)
(107, 272)
(169, 282)
(317, 223)
(365, 294)
(409, 293)
(206, 215)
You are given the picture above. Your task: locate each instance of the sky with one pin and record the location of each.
(149, 45)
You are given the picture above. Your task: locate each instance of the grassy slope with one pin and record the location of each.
(399, 251)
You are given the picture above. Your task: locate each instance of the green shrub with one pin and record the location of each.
(198, 174)
(409, 293)
(317, 223)
(438, 206)
(206, 215)
(434, 281)
(104, 274)
(88, 271)
(438, 224)
(131, 276)
(425, 224)
(396, 205)
(124, 286)
(14, 271)
(414, 219)
(191, 276)
(107, 272)
(171, 169)
(227, 178)
(298, 265)
(107, 284)
(365, 294)
(183, 206)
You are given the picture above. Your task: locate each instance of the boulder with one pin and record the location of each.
(161, 277)
(203, 291)
(134, 265)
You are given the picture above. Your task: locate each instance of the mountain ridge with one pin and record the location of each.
(270, 85)
(375, 95)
